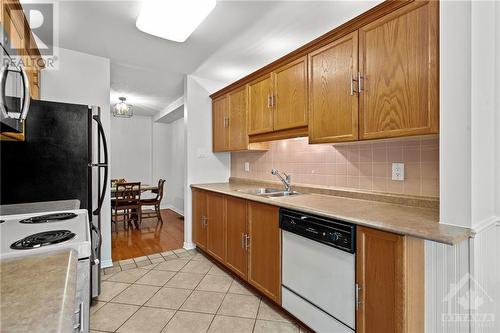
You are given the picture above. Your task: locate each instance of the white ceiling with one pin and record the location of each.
(234, 40)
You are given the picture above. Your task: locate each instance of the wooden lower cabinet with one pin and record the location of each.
(264, 258)
(245, 236)
(236, 235)
(216, 245)
(199, 218)
(390, 278)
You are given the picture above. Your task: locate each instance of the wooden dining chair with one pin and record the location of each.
(126, 204)
(156, 202)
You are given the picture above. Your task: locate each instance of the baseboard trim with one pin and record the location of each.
(175, 209)
(106, 263)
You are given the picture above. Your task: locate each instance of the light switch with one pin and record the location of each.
(398, 171)
(247, 166)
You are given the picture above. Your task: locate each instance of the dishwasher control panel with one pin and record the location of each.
(331, 232)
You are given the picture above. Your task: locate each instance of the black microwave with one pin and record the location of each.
(14, 92)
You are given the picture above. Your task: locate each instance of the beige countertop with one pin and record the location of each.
(405, 220)
(38, 293)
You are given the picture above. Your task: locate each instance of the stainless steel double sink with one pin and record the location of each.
(268, 192)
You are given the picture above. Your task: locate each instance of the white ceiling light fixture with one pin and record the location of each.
(173, 19)
(122, 109)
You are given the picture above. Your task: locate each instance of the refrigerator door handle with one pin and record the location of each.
(102, 165)
(95, 258)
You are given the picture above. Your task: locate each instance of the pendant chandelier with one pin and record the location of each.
(122, 109)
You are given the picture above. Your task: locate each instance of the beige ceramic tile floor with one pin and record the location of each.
(180, 291)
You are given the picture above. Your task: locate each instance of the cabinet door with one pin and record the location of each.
(264, 267)
(14, 27)
(379, 274)
(290, 95)
(216, 245)
(220, 124)
(199, 217)
(34, 80)
(236, 231)
(398, 56)
(260, 111)
(238, 137)
(333, 101)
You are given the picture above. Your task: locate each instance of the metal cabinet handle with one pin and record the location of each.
(358, 301)
(247, 242)
(360, 83)
(243, 241)
(268, 101)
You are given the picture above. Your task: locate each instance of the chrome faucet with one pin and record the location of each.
(286, 180)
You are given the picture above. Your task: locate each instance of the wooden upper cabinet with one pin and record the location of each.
(34, 78)
(237, 122)
(333, 99)
(390, 277)
(199, 218)
(398, 58)
(260, 111)
(220, 126)
(216, 245)
(264, 267)
(236, 232)
(290, 95)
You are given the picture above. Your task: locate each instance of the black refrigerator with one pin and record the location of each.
(64, 156)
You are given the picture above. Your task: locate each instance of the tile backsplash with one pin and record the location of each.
(357, 165)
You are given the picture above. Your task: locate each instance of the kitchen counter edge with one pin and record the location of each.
(441, 233)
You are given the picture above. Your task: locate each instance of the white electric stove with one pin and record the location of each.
(28, 234)
(34, 233)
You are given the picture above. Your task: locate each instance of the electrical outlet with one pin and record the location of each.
(398, 171)
(247, 166)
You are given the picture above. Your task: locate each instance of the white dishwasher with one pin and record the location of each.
(318, 271)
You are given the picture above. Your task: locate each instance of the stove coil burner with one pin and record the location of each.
(49, 218)
(42, 239)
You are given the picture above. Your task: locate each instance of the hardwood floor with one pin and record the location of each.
(151, 238)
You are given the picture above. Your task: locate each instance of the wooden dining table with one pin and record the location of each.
(144, 188)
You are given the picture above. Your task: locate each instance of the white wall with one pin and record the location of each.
(483, 111)
(202, 165)
(469, 167)
(176, 161)
(83, 79)
(131, 148)
(454, 150)
(146, 151)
